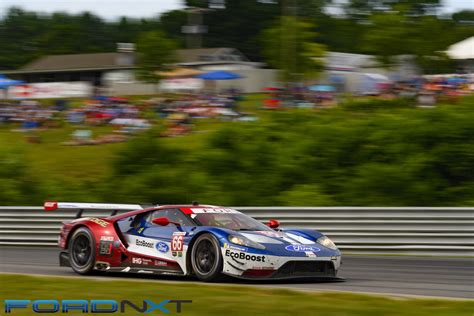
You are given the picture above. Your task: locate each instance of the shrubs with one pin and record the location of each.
(388, 157)
(394, 156)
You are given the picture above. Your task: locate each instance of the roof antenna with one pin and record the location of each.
(195, 203)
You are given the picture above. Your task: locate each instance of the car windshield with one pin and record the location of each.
(234, 221)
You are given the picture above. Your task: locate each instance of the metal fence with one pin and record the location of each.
(374, 230)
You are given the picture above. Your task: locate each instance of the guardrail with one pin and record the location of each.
(373, 230)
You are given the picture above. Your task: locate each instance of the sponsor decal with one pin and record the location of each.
(143, 243)
(262, 268)
(107, 238)
(213, 210)
(238, 248)
(50, 206)
(177, 242)
(99, 221)
(302, 248)
(310, 254)
(105, 247)
(244, 256)
(160, 263)
(142, 261)
(162, 247)
(137, 260)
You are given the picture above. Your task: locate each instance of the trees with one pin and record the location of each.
(426, 38)
(155, 52)
(408, 26)
(289, 46)
(388, 36)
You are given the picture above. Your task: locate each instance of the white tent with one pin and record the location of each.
(462, 50)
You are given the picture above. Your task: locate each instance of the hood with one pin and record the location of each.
(288, 243)
(275, 237)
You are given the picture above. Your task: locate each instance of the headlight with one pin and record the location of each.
(326, 242)
(242, 241)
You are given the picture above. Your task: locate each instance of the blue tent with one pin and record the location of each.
(322, 88)
(218, 75)
(5, 82)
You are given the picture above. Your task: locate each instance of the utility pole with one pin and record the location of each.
(194, 29)
(289, 8)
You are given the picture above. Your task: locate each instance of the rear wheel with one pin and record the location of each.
(82, 251)
(206, 258)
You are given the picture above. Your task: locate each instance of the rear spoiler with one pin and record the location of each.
(52, 206)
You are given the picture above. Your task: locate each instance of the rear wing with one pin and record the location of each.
(80, 207)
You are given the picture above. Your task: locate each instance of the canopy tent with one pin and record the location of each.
(462, 50)
(180, 73)
(322, 88)
(218, 75)
(6, 82)
(372, 83)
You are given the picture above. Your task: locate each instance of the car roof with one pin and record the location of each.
(182, 207)
(186, 206)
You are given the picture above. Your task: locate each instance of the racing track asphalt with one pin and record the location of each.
(421, 276)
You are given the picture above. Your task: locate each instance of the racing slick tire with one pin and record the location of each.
(206, 258)
(81, 250)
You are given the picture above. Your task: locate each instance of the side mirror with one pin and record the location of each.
(162, 221)
(273, 223)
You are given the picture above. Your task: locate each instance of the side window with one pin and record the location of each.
(174, 215)
(126, 224)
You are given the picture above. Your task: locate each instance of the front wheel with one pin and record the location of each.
(206, 258)
(82, 251)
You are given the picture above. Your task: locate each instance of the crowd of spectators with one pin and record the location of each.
(175, 113)
(428, 91)
(27, 113)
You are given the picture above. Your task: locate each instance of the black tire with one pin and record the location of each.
(206, 258)
(81, 251)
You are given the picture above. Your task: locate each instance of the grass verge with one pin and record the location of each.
(222, 300)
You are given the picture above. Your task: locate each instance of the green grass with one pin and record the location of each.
(224, 300)
(52, 159)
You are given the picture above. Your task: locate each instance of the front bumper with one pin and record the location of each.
(302, 269)
(248, 265)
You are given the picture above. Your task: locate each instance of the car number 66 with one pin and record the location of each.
(177, 243)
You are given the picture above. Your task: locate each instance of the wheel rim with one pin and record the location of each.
(81, 250)
(205, 257)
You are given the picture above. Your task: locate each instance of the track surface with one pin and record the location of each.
(386, 275)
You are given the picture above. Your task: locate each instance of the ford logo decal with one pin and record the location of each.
(302, 248)
(162, 247)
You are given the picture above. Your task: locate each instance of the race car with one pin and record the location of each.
(205, 241)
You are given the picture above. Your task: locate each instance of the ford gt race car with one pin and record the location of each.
(201, 240)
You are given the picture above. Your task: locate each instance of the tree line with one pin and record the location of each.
(383, 28)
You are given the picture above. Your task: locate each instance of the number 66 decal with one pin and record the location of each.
(177, 243)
